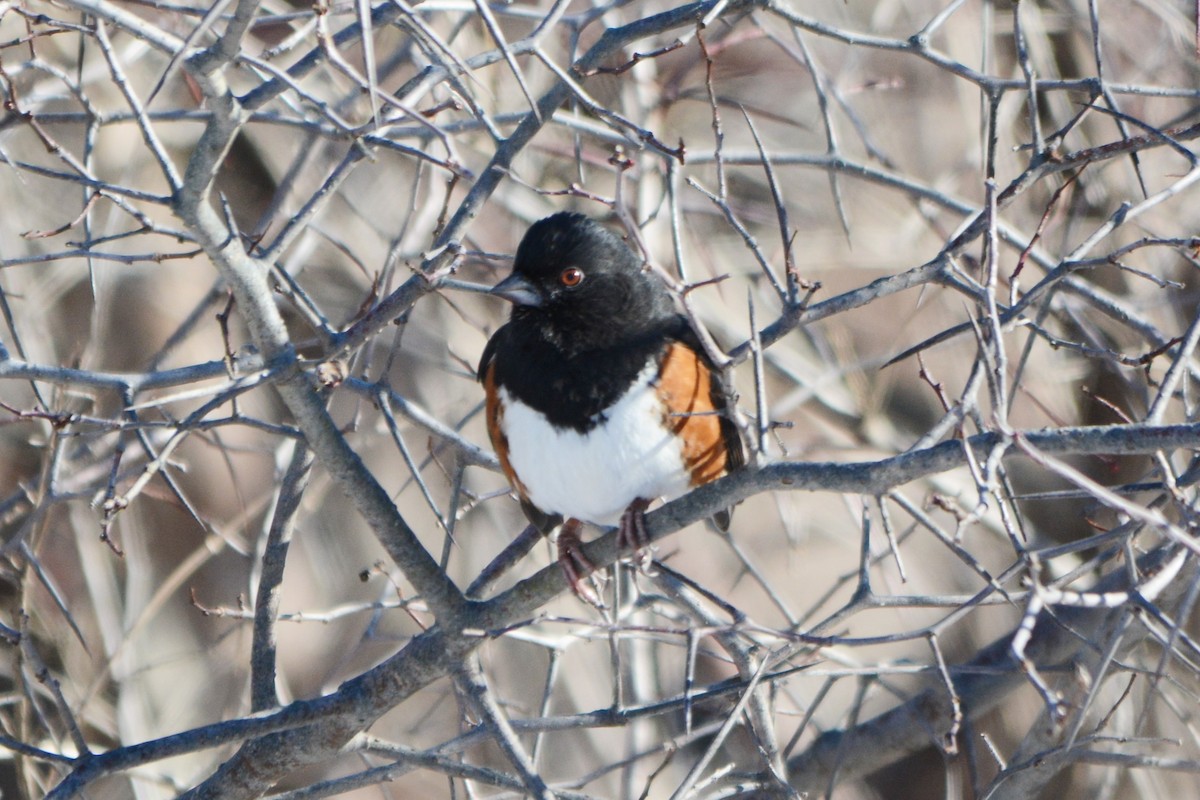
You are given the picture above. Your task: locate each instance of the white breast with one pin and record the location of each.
(595, 476)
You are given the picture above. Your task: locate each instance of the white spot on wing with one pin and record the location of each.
(595, 476)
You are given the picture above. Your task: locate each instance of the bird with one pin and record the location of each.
(600, 398)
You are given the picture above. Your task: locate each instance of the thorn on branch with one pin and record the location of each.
(1041, 226)
(373, 295)
(453, 104)
(631, 63)
(1158, 351)
(223, 321)
(216, 611)
(938, 389)
(690, 287)
(810, 290)
(57, 419)
(91, 201)
(444, 213)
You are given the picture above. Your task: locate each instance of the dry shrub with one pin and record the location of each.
(241, 262)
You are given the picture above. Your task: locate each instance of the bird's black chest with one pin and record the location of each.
(571, 386)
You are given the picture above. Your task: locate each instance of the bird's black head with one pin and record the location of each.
(574, 277)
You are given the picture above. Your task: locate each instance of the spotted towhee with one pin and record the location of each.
(600, 398)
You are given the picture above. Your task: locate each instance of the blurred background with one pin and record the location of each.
(825, 146)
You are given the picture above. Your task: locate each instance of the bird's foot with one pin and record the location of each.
(585, 581)
(632, 536)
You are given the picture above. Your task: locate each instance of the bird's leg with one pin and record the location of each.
(580, 571)
(631, 535)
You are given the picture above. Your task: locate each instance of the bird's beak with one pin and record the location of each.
(517, 291)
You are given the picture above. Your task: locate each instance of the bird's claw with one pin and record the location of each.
(584, 579)
(632, 536)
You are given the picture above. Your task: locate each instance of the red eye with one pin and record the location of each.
(571, 277)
